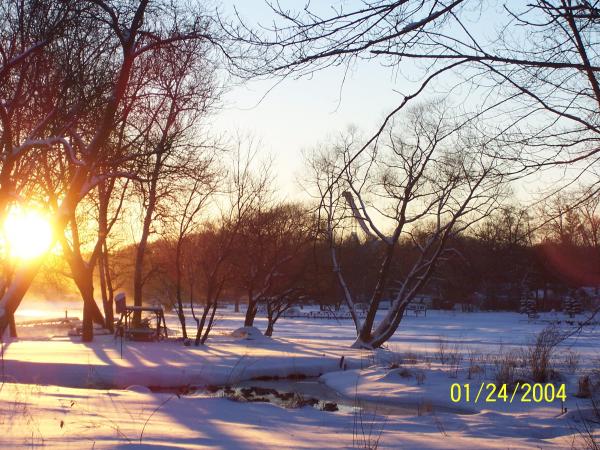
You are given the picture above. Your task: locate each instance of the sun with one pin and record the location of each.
(28, 233)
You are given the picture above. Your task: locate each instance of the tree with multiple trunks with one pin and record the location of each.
(127, 38)
(271, 243)
(427, 182)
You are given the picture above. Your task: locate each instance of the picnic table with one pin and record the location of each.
(145, 330)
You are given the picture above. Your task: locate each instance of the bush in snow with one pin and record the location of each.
(410, 358)
(571, 360)
(540, 353)
(584, 389)
(405, 373)
(474, 367)
(442, 349)
(248, 333)
(505, 368)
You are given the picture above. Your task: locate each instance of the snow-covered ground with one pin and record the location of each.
(63, 394)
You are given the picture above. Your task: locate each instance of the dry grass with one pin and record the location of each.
(539, 354)
(411, 358)
(571, 360)
(476, 366)
(505, 368)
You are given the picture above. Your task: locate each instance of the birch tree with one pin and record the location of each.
(429, 175)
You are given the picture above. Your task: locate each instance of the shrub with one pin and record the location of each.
(584, 387)
(505, 366)
(571, 360)
(540, 353)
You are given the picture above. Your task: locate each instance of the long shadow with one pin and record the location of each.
(227, 424)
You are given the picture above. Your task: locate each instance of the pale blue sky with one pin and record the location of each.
(299, 113)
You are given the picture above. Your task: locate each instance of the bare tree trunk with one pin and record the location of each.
(367, 326)
(104, 192)
(192, 305)
(210, 322)
(138, 275)
(13, 326)
(83, 275)
(109, 283)
(180, 313)
(16, 291)
(87, 330)
(205, 327)
(107, 299)
(270, 325)
(251, 311)
(200, 324)
(91, 312)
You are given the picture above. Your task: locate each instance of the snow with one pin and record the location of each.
(393, 387)
(75, 418)
(46, 399)
(99, 364)
(249, 334)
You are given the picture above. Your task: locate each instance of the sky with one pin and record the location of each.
(296, 115)
(292, 115)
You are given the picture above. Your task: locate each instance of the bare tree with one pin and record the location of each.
(247, 186)
(532, 85)
(84, 241)
(121, 34)
(182, 95)
(270, 245)
(430, 176)
(30, 97)
(209, 270)
(568, 235)
(276, 305)
(191, 199)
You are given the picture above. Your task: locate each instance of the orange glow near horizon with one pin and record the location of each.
(28, 233)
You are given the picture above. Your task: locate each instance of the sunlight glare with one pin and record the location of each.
(28, 233)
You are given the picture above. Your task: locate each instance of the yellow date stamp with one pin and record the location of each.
(520, 392)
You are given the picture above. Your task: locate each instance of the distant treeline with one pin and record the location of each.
(279, 249)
